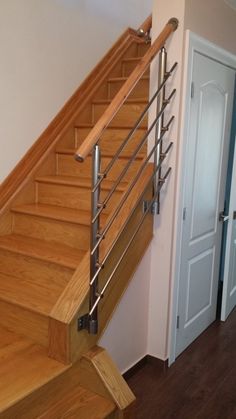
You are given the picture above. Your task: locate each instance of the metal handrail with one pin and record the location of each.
(101, 294)
(131, 186)
(90, 320)
(102, 263)
(134, 155)
(134, 129)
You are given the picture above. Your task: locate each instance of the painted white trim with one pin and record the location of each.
(193, 43)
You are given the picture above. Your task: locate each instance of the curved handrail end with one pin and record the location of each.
(174, 22)
(79, 158)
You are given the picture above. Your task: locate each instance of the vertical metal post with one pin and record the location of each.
(160, 122)
(94, 258)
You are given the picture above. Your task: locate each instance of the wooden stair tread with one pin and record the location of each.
(82, 181)
(124, 155)
(35, 295)
(54, 212)
(78, 403)
(48, 251)
(24, 367)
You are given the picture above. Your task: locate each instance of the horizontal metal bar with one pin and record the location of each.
(126, 168)
(102, 263)
(127, 246)
(125, 196)
(134, 129)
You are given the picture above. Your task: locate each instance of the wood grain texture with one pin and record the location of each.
(33, 386)
(123, 94)
(74, 300)
(110, 377)
(24, 367)
(199, 385)
(76, 291)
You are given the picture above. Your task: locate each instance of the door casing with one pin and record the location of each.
(193, 43)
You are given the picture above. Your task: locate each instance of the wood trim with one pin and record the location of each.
(124, 92)
(111, 378)
(32, 159)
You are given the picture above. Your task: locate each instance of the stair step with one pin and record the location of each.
(129, 64)
(68, 166)
(126, 116)
(53, 223)
(141, 89)
(107, 154)
(59, 254)
(36, 295)
(84, 182)
(24, 367)
(69, 215)
(72, 196)
(112, 138)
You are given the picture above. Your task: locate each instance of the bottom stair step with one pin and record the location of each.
(35, 386)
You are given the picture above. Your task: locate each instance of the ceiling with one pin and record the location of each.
(231, 3)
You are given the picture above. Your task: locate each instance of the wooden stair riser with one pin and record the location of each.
(113, 138)
(141, 89)
(126, 116)
(70, 234)
(72, 197)
(67, 166)
(17, 265)
(142, 48)
(24, 322)
(68, 139)
(129, 65)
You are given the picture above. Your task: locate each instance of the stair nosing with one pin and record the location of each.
(52, 179)
(34, 212)
(123, 78)
(71, 151)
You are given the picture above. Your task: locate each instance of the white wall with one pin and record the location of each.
(47, 48)
(126, 335)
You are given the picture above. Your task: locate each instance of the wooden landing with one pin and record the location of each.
(35, 386)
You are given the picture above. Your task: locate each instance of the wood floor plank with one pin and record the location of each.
(24, 367)
(199, 385)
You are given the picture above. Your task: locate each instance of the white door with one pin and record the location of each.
(204, 190)
(229, 280)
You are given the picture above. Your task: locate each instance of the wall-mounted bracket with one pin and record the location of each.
(153, 209)
(86, 323)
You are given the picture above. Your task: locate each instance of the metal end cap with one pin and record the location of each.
(79, 158)
(174, 22)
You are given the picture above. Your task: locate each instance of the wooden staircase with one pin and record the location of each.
(47, 368)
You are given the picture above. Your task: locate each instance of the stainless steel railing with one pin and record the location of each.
(90, 320)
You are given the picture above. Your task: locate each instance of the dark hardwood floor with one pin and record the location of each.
(201, 384)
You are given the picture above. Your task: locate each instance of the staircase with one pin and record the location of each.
(49, 369)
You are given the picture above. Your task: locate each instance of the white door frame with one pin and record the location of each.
(193, 43)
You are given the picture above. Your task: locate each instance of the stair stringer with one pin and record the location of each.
(66, 343)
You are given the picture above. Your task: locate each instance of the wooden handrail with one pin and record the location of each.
(124, 92)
